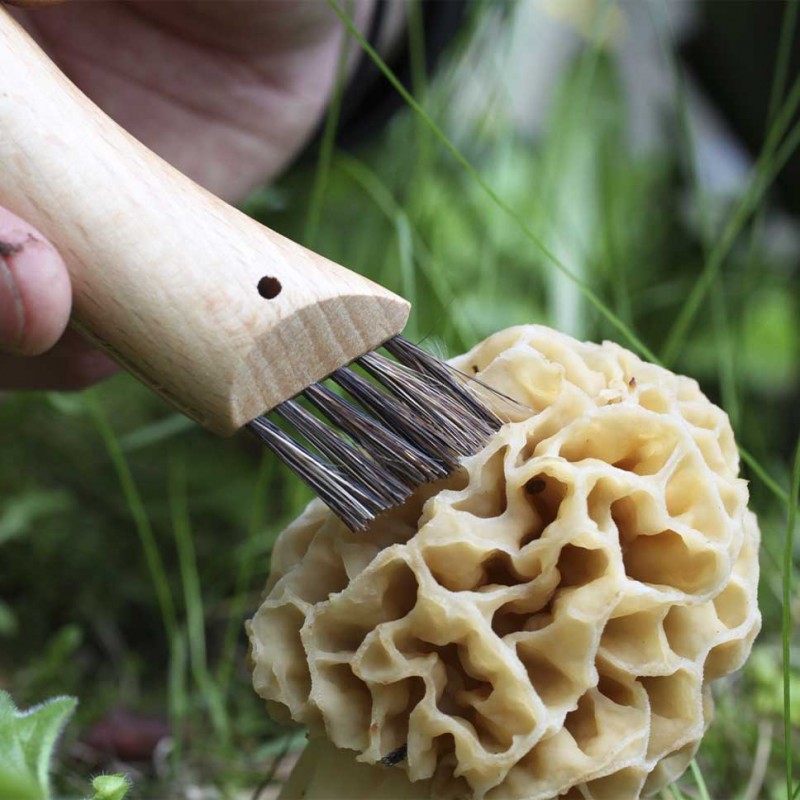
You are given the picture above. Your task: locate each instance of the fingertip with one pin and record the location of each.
(35, 291)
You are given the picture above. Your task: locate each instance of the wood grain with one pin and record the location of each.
(165, 275)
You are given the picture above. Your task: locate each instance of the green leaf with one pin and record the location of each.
(27, 740)
(22, 511)
(110, 787)
(156, 432)
(70, 404)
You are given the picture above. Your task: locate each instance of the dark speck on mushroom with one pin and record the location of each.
(535, 485)
(395, 757)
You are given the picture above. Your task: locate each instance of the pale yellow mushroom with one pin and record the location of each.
(545, 623)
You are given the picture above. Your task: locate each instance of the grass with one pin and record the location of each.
(155, 564)
(161, 542)
(473, 173)
(772, 159)
(786, 632)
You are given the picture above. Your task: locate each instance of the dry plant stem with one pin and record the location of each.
(165, 275)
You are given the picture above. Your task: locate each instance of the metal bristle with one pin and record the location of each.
(410, 430)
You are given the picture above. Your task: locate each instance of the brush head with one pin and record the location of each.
(408, 426)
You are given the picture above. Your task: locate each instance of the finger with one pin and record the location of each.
(246, 25)
(71, 365)
(35, 293)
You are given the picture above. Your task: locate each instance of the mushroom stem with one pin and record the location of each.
(324, 772)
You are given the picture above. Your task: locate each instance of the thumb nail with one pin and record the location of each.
(12, 310)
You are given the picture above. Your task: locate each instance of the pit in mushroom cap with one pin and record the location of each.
(549, 621)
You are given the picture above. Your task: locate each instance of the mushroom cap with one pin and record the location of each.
(549, 619)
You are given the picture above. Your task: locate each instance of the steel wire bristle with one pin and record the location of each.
(409, 429)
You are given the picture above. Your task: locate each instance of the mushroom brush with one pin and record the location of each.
(224, 318)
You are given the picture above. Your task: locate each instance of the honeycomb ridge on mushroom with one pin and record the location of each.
(548, 621)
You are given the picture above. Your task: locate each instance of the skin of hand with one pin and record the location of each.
(228, 92)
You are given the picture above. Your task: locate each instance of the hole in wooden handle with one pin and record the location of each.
(269, 287)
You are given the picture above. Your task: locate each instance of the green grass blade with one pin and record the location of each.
(245, 573)
(326, 147)
(727, 360)
(569, 175)
(587, 291)
(724, 338)
(416, 49)
(425, 146)
(765, 173)
(786, 631)
(675, 793)
(144, 530)
(758, 186)
(156, 432)
(766, 478)
(785, 44)
(699, 780)
(777, 91)
(177, 701)
(193, 599)
(661, 25)
(772, 160)
(405, 248)
(187, 562)
(371, 184)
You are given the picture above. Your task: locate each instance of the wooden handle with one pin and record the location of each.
(165, 275)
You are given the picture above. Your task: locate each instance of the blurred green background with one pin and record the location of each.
(133, 544)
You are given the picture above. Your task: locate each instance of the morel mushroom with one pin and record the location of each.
(545, 623)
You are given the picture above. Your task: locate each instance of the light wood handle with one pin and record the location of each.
(165, 275)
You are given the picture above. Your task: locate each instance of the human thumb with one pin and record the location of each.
(35, 292)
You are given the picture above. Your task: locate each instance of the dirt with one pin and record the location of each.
(8, 249)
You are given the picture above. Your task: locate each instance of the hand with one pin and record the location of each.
(228, 92)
